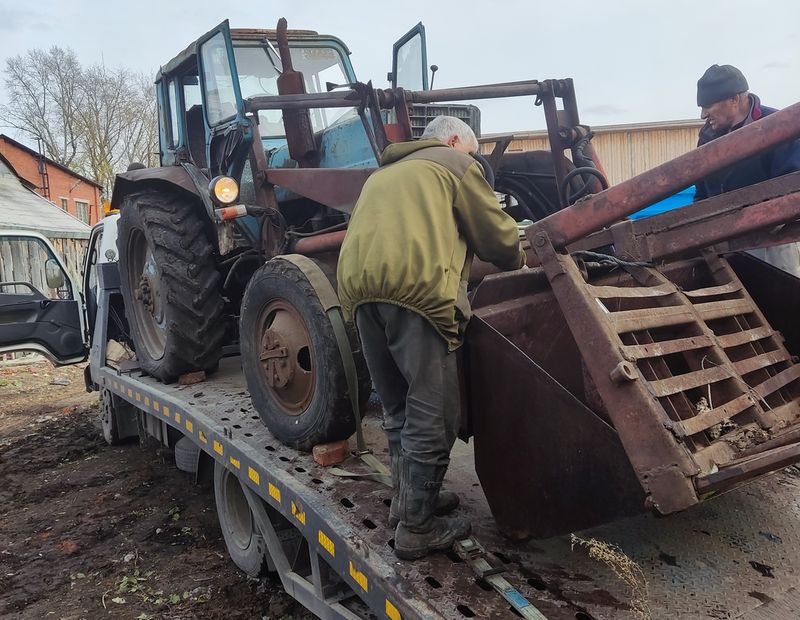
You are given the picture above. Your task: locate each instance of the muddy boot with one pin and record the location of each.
(420, 531)
(446, 502)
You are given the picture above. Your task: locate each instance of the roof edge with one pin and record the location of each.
(52, 162)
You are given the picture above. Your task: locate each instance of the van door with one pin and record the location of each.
(40, 304)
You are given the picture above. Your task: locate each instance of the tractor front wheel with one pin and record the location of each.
(291, 360)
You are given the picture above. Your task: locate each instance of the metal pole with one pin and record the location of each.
(605, 208)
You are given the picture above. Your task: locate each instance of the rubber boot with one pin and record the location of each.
(446, 502)
(420, 531)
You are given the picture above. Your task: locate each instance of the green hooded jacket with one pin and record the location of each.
(413, 231)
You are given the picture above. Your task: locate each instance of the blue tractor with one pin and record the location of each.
(266, 138)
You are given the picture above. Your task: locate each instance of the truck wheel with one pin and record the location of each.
(170, 285)
(291, 360)
(186, 455)
(245, 544)
(117, 419)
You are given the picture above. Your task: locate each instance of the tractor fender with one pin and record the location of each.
(184, 178)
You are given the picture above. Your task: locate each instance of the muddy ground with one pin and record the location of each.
(93, 531)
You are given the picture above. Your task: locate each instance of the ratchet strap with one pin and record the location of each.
(475, 556)
(330, 303)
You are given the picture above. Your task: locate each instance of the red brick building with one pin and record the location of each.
(69, 190)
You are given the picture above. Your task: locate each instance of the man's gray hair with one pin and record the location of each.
(445, 127)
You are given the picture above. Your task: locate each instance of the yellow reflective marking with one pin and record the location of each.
(326, 543)
(274, 492)
(146, 401)
(189, 426)
(235, 462)
(165, 410)
(130, 392)
(391, 611)
(203, 438)
(359, 577)
(178, 417)
(138, 397)
(156, 406)
(253, 475)
(298, 514)
(218, 447)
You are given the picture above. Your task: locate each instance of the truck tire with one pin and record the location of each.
(291, 360)
(244, 541)
(186, 455)
(117, 419)
(170, 285)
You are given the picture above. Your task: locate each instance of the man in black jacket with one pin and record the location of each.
(726, 105)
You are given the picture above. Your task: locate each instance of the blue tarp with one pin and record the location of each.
(676, 201)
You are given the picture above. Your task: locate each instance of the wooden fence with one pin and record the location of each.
(23, 260)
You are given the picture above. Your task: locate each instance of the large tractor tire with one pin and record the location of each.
(170, 285)
(292, 363)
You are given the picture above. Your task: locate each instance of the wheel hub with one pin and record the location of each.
(286, 356)
(144, 293)
(275, 359)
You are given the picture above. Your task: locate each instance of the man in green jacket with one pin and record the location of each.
(402, 275)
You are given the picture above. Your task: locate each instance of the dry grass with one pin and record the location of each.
(623, 567)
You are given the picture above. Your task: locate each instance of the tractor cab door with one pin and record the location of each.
(229, 132)
(40, 305)
(410, 60)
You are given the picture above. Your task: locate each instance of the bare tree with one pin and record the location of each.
(44, 95)
(141, 140)
(95, 120)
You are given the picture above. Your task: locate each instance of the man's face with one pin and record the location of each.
(722, 115)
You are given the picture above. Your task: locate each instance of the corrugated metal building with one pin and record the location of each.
(625, 150)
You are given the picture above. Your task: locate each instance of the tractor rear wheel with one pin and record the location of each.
(170, 285)
(291, 360)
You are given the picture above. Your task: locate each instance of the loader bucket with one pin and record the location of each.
(598, 392)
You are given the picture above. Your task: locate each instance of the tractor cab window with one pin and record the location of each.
(258, 75)
(409, 60)
(218, 82)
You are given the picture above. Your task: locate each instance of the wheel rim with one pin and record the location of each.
(286, 356)
(145, 283)
(239, 518)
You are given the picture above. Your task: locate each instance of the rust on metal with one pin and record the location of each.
(594, 212)
(286, 356)
(296, 123)
(317, 244)
(337, 188)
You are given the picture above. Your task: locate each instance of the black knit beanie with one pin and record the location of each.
(720, 82)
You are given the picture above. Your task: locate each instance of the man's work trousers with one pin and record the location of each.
(416, 378)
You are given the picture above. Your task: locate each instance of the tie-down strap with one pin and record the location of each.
(333, 308)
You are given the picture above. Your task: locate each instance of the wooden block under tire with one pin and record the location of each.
(190, 378)
(327, 454)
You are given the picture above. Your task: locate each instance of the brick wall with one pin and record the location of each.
(67, 190)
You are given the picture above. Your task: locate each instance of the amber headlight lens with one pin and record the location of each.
(224, 190)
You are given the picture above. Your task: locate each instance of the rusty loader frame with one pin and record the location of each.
(646, 379)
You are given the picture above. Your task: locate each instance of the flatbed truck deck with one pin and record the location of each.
(734, 557)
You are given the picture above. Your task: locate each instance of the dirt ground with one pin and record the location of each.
(92, 531)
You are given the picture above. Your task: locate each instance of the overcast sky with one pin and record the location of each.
(632, 60)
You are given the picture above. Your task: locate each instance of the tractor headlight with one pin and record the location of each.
(224, 190)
